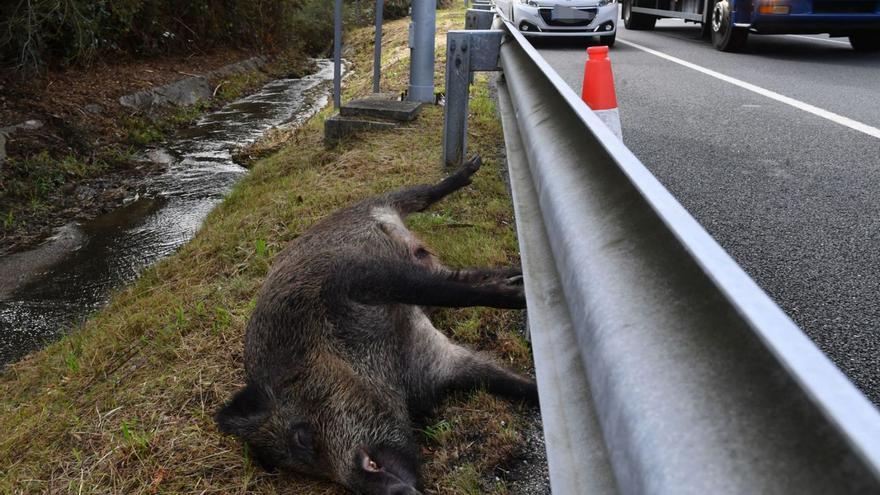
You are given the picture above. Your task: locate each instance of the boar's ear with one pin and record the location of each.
(244, 414)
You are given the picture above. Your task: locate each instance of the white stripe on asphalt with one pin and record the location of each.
(819, 112)
(819, 39)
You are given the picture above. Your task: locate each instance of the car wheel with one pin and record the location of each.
(725, 36)
(636, 21)
(865, 42)
(608, 40)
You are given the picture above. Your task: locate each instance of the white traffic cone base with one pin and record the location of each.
(611, 118)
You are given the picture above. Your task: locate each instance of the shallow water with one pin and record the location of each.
(115, 248)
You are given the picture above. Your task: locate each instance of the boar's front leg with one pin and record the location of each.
(400, 282)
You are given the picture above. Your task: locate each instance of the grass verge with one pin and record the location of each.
(124, 405)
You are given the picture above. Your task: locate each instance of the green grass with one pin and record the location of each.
(467, 480)
(438, 432)
(237, 85)
(143, 129)
(36, 177)
(124, 404)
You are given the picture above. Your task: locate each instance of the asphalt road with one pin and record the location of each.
(792, 196)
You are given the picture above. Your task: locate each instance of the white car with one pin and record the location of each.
(562, 17)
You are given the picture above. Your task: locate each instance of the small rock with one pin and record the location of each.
(30, 125)
(94, 108)
(85, 193)
(160, 156)
(113, 195)
(131, 199)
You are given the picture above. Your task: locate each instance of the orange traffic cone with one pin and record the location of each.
(598, 89)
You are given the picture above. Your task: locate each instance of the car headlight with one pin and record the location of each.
(530, 3)
(603, 3)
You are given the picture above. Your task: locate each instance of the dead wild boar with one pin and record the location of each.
(340, 355)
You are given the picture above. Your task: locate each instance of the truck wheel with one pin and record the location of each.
(725, 36)
(634, 20)
(865, 42)
(706, 25)
(706, 29)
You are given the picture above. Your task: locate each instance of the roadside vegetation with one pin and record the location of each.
(65, 63)
(38, 34)
(124, 404)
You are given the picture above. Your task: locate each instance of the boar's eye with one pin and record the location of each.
(422, 253)
(370, 465)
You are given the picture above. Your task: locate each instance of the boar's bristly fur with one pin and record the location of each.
(340, 354)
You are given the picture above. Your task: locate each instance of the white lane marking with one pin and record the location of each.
(819, 39)
(819, 112)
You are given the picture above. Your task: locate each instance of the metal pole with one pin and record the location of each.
(377, 49)
(337, 56)
(422, 30)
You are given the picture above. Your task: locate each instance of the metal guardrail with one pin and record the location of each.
(662, 367)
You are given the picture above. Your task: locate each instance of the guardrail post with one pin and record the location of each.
(466, 52)
(478, 19)
(457, 85)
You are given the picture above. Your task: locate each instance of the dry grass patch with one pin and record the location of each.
(124, 405)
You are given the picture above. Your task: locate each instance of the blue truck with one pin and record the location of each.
(729, 22)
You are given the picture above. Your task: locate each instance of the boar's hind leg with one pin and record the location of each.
(401, 282)
(418, 198)
(472, 371)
